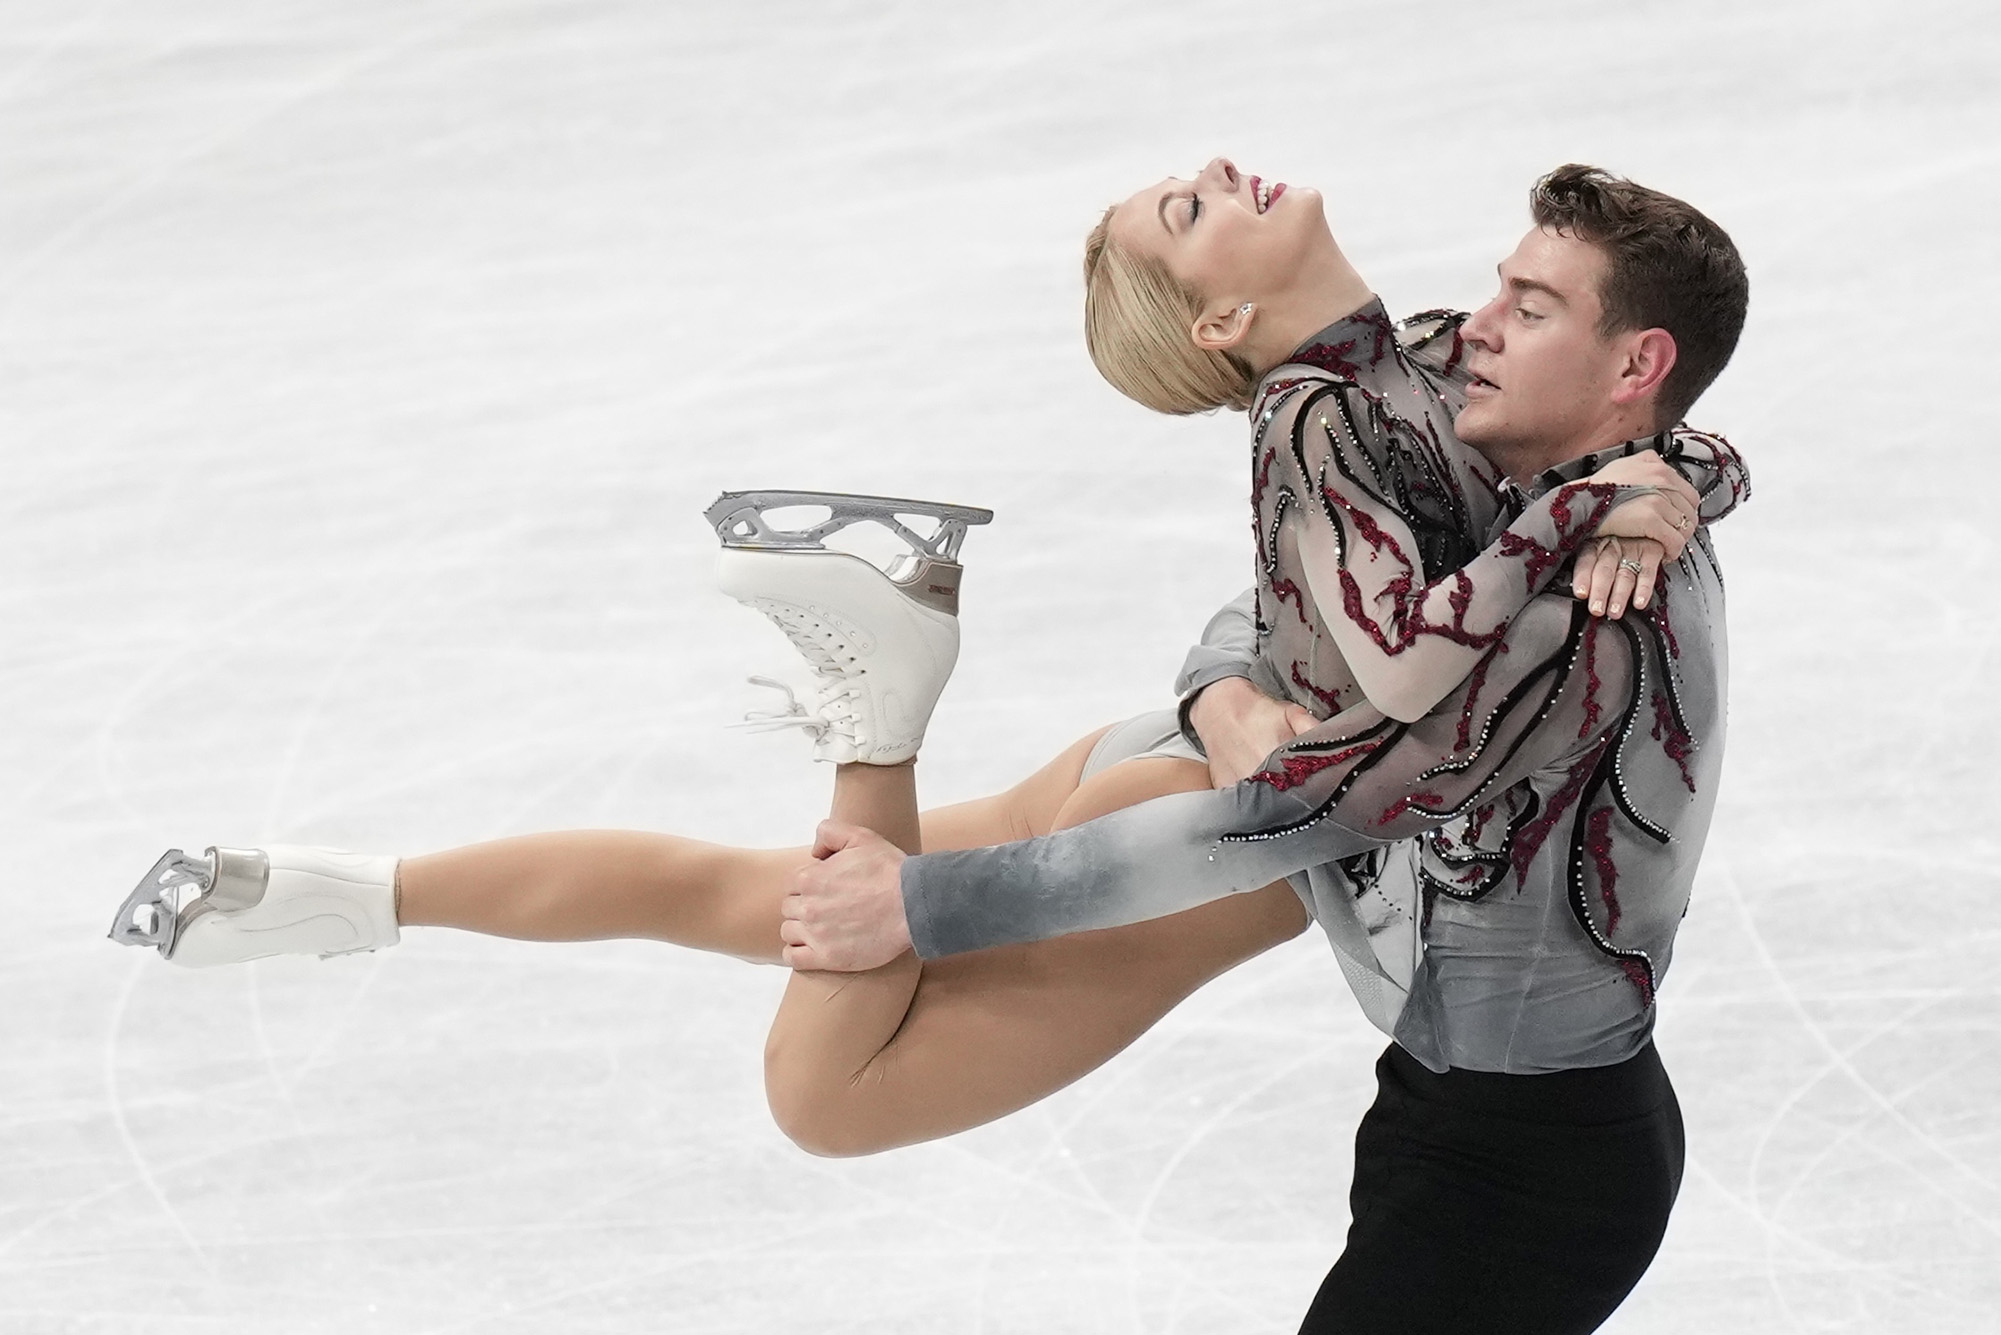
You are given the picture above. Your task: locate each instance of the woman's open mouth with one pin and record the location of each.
(1265, 194)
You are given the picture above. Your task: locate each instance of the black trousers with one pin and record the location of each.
(1505, 1204)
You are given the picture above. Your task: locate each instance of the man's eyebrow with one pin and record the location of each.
(1519, 285)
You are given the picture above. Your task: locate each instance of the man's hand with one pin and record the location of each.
(845, 911)
(1240, 726)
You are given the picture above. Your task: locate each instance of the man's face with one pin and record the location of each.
(1544, 376)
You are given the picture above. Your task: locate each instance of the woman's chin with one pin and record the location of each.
(1303, 201)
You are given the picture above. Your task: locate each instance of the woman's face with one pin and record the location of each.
(1231, 237)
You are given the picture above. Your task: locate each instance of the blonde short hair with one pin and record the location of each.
(1137, 318)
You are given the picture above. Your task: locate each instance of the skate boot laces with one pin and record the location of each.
(834, 709)
(831, 713)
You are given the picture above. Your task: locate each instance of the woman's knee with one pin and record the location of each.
(804, 1107)
(819, 1111)
(829, 1056)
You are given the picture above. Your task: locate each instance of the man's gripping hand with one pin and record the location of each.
(845, 911)
(1240, 726)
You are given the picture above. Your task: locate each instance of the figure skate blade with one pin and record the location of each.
(153, 914)
(739, 518)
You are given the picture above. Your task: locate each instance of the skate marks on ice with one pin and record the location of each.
(367, 371)
(1840, 1087)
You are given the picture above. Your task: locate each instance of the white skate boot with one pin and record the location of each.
(233, 904)
(881, 644)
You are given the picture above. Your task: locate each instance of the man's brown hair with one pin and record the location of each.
(1666, 267)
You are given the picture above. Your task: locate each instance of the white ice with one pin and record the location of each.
(364, 369)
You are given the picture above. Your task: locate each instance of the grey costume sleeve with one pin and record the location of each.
(1712, 466)
(1548, 693)
(1228, 648)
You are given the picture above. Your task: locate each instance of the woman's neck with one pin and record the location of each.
(1328, 290)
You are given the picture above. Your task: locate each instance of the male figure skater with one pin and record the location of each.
(1501, 878)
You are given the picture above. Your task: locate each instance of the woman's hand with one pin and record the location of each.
(1604, 577)
(1667, 514)
(1240, 726)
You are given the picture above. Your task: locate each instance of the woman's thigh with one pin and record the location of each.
(1029, 808)
(993, 1031)
(989, 1032)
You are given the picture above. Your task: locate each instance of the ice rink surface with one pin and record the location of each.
(365, 367)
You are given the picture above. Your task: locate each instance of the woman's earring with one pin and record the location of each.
(1244, 309)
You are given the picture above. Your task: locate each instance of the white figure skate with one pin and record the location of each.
(235, 904)
(881, 644)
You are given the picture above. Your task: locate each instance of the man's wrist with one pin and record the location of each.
(1193, 690)
(1220, 694)
(908, 905)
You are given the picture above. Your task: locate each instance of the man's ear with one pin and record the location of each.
(1221, 328)
(1650, 355)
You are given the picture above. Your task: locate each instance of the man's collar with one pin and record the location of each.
(1584, 465)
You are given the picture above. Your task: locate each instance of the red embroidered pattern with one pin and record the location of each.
(1262, 478)
(1475, 683)
(1674, 740)
(1407, 612)
(1328, 699)
(1429, 800)
(1277, 388)
(1601, 494)
(1536, 558)
(1384, 329)
(1295, 770)
(1332, 357)
(1661, 616)
(1283, 589)
(1592, 682)
(1532, 836)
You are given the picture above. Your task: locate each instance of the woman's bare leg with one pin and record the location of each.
(594, 885)
(858, 1063)
(862, 1062)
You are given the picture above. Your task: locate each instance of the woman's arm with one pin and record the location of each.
(1343, 462)
(1714, 470)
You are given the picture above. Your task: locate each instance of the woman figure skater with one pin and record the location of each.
(1233, 297)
